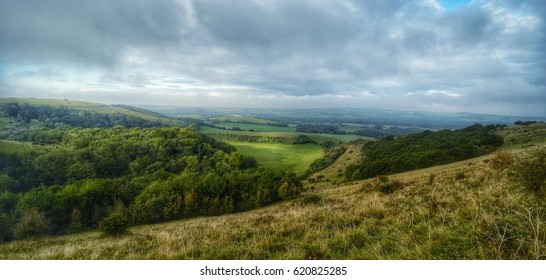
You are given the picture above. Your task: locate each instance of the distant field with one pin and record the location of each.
(257, 127)
(243, 119)
(290, 158)
(319, 138)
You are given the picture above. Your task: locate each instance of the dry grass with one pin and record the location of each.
(333, 174)
(464, 210)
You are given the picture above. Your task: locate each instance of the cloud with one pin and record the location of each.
(88, 32)
(279, 52)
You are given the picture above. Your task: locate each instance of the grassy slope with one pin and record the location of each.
(290, 158)
(462, 210)
(333, 174)
(7, 146)
(85, 106)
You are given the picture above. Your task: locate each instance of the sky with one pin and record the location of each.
(478, 56)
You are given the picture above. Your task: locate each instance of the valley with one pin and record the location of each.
(205, 186)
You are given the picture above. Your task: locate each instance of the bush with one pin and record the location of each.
(460, 175)
(311, 199)
(502, 161)
(33, 223)
(530, 170)
(289, 190)
(115, 224)
(6, 233)
(390, 187)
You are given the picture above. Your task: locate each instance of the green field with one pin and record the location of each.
(243, 119)
(319, 138)
(9, 147)
(257, 127)
(290, 158)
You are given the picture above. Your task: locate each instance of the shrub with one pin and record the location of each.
(311, 199)
(431, 178)
(530, 170)
(502, 161)
(289, 190)
(383, 179)
(460, 176)
(390, 187)
(33, 223)
(115, 224)
(6, 232)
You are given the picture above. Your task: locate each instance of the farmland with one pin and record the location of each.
(290, 158)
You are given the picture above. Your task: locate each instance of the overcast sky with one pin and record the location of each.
(481, 56)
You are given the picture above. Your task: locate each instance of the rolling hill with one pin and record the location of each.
(92, 107)
(472, 209)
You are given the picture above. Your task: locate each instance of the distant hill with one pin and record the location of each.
(425, 120)
(93, 107)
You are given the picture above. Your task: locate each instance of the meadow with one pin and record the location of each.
(242, 119)
(286, 157)
(257, 127)
(274, 131)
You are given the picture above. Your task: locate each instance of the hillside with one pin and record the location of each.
(473, 209)
(92, 107)
(81, 179)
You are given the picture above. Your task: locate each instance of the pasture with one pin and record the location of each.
(256, 127)
(243, 119)
(318, 138)
(290, 158)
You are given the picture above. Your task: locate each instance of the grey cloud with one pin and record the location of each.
(289, 48)
(93, 32)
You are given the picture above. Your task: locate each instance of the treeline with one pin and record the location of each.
(526, 123)
(300, 139)
(391, 155)
(379, 131)
(55, 117)
(279, 124)
(319, 128)
(103, 176)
